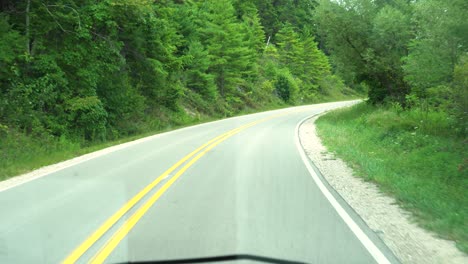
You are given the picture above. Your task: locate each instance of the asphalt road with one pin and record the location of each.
(249, 192)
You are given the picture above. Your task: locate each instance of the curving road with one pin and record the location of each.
(236, 189)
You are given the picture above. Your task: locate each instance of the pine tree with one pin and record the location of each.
(290, 49)
(223, 37)
(196, 76)
(316, 64)
(254, 40)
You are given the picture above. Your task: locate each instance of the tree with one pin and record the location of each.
(196, 76)
(93, 70)
(440, 41)
(287, 86)
(367, 40)
(290, 48)
(315, 67)
(275, 13)
(254, 39)
(223, 38)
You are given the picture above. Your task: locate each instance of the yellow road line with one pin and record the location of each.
(131, 222)
(81, 249)
(122, 232)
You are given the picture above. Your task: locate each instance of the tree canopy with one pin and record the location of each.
(88, 70)
(95, 70)
(405, 52)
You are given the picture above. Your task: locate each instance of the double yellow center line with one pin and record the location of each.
(120, 234)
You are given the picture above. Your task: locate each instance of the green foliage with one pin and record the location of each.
(83, 72)
(253, 28)
(441, 40)
(20, 152)
(314, 69)
(287, 86)
(410, 53)
(10, 47)
(415, 156)
(450, 99)
(265, 92)
(460, 95)
(345, 29)
(196, 74)
(302, 58)
(221, 34)
(87, 116)
(274, 13)
(289, 47)
(366, 42)
(333, 86)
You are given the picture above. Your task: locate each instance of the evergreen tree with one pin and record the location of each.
(254, 40)
(196, 73)
(316, 65)
(90, 70)
(290, 48)
(224, 39)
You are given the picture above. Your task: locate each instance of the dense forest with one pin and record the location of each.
(98, 70)
(82, 71)
(411, 54)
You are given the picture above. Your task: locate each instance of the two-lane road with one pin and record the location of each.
(235, 186)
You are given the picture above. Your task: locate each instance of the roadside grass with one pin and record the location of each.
(20, 153)
(412, 155)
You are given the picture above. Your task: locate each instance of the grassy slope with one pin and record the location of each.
(411, 155)
(20, 153)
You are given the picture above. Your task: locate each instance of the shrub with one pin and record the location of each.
(286, 86)
(87, 117)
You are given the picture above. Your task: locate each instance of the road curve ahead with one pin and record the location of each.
(236, 189)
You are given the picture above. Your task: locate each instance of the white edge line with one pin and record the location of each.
(365, 240)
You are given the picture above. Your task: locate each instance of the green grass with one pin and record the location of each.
(20, 153)
(412, 155)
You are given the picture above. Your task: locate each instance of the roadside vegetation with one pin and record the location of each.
(412, 155)
(76, 75)
(410, 137)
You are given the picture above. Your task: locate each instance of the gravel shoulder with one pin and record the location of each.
(409, 242)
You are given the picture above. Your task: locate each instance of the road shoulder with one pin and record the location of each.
(409, 242)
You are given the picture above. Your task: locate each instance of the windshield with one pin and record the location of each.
(232, 131)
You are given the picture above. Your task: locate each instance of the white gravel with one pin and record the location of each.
(409, 242)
